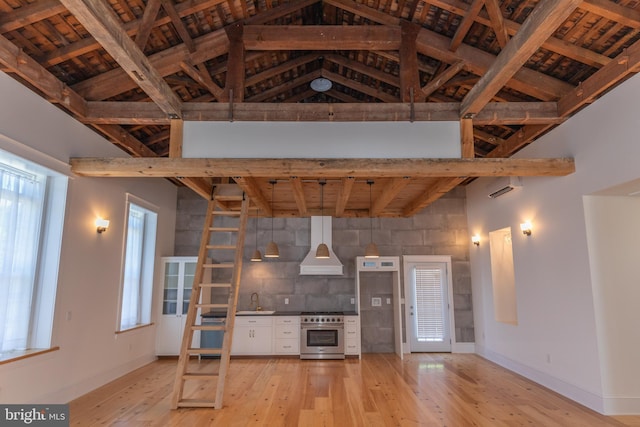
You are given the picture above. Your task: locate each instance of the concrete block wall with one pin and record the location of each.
(439, 229)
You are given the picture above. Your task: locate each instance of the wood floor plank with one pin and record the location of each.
(378, 390)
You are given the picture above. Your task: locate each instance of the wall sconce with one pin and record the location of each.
(475, 240)
(526, 228)
(102, 225)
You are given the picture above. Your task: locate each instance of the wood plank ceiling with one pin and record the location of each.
(508, 71)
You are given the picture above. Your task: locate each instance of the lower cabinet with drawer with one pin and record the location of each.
(287, 335)
(252, 335)
(352, 336)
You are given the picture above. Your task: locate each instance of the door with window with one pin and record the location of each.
(427, 306)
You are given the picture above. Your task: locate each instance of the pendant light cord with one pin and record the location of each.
(370, 182)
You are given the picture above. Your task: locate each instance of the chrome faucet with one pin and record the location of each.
(256, 301)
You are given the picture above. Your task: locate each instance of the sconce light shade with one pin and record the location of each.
(475, 240)
(101, 225)
(322, 251)
(272, 250)
(257, 256)
(526, 228)
(371, 251)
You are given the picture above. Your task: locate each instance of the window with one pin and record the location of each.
(137, 277)
(32, 200)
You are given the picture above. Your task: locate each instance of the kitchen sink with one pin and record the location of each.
(253, 312)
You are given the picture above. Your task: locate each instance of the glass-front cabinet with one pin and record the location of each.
(177, 283)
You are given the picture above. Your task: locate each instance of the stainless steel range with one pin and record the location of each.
(322, 335)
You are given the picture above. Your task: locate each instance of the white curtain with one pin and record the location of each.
(21, 204)
(131, 292)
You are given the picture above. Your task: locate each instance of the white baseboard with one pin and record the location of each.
(571, 391)
(73, 391)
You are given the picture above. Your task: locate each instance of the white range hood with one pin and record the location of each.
(321, 232)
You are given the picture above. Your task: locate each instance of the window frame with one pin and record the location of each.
(48, 253)
(146, 294)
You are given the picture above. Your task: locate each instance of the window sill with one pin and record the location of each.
(14, 356)
(134, 328)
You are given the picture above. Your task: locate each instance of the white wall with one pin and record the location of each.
(86, 314)
(556, 342)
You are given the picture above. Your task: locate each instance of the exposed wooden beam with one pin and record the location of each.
(204, 79)
(298, 195)
(99, 19)
(146, 23)
(27, 68)
(322, 168)
(465, 25)
(409, 75)
(435, 191)
(360, 87)
(176, 138)
(364, 69)
(279, 69)
(343, 194)
(389, 192)
(495, 113)
(545, 18)
(251, 187)
(321, 37)
(613, 11)
(274, 91)
(442, 78)
(467, 138)
(234, 85)
(29, 13)
(182, 31)
(497, 21)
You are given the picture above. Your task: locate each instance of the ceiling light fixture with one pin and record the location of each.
(257, 256)
(323, 250)
(371, 250)
(321, 84)
(272, 250)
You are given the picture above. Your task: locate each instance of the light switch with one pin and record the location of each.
(388, 300)
(376, 302)
(286, 301)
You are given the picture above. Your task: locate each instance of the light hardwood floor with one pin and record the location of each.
(379, 390)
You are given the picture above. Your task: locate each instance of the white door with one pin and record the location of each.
(428, 307)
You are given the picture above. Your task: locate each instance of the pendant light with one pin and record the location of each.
(323, 250)
(272, 250)
(371, 250)
(257, 256)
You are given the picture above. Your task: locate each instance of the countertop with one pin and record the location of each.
(218, 314)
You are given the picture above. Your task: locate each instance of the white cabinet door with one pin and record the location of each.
(252, 335)
(177, 281)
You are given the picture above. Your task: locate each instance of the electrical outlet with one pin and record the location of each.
(376, 302)
(548, 358)
(286, 301)
(388, 300)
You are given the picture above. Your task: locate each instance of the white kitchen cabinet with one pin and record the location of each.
(287, 335)
(177, 281)
(352, 335)
(252, 335)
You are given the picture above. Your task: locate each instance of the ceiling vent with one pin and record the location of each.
(504, 185)
(321, 233)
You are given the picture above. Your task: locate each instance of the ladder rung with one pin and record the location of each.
(221, 246)
(196, 403)
(204, 351)
(199, 376)
(215, 285)
(219, 265)
(226, 213)
(212, 305)
(208, 327)
(225, 229)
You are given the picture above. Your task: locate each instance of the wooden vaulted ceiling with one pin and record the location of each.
(508, 71)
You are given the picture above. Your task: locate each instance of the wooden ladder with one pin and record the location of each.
(229, 208)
